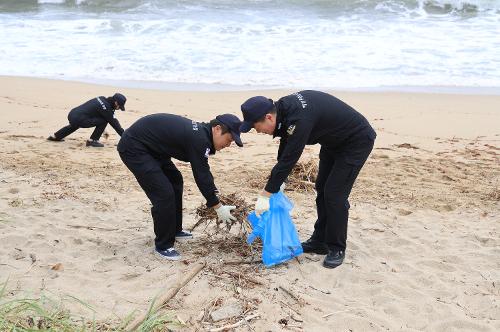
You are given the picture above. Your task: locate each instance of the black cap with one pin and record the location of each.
(254, 109)
(121, 100)
(233, 124)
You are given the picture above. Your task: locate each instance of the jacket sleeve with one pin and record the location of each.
(202, 175)
(291, 149)
(110, 118)
(281, 147)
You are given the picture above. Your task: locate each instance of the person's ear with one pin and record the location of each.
(218, 130)
(269, 116)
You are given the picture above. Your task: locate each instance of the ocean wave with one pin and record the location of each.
(429, 6)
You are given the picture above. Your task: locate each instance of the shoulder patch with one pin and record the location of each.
(290, 130)
(207, 152)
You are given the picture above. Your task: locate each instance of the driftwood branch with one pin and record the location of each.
(164, 298)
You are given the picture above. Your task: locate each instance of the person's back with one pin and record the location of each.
(334, 122)
(153, 131)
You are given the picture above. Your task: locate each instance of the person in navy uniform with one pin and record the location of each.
(346, 139)
(147, 149)
(97, 112)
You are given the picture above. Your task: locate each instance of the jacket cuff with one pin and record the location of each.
(271, 188)
(213, 201)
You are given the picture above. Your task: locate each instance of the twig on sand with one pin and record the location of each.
(293, 296)
(103, 228)
(242, 276)
(232, 326)
(163, 299)
(241, 262)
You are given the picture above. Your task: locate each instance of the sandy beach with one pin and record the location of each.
(423, 241)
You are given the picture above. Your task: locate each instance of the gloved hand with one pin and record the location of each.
(282, 187)
(224, 213)
(262, 205)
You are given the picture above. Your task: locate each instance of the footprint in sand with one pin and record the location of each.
(105, 264)
(403, 212)
(438, 266)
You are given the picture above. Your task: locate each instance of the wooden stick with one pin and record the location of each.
(293, 296)
(171, 292)
(232, 326)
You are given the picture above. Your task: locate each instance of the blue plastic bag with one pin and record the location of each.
(275, 227)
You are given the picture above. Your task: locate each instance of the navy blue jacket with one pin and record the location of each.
(312, 117)
(100, 107)
(168, 136)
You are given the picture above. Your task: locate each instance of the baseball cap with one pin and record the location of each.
(121, 100)
(233, 123)
(254, 109)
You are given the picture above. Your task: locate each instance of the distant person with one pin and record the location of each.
(147, 149)
(346, 139)
(97, 112)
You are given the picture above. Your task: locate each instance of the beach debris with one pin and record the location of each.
(235, 325)
(302, 178)
(57, 267)
(165, 297)
(207, 215)
(406, 146)
(230, 310)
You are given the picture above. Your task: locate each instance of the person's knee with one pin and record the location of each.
(337, 199)
(176, 179)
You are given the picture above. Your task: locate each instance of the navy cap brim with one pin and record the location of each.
(246, 126)
(121, 107)
(237, 139)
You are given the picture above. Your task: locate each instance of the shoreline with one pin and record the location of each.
(219, 87)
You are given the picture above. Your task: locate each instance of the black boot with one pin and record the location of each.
(334, 258)
(53, 138)
(315, 246)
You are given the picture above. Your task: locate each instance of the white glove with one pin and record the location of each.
(282, 187)
(262, 205)
(224, 213)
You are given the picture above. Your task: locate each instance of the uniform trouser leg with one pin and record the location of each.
(99, 129)
(336, 176)
(160, 191)
(65, 131)
(325, 166)
(175, 178)
(336, 193)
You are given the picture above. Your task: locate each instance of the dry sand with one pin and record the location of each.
(423, 244)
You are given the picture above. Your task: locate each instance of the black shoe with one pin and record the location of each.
(94, 143)
(334, 259)
(54, 139)
(314, 246)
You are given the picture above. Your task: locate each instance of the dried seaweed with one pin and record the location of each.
(207, 215)
(301, 178)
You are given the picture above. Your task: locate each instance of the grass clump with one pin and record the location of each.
(43, 313)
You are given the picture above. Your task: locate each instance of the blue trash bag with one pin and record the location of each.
(275, 227)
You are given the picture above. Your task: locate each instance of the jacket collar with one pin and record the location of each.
(208, 130)
(280, 121)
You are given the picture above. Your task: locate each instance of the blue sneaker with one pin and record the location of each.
(169, 253)
(183, 235)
